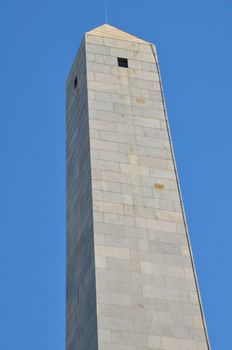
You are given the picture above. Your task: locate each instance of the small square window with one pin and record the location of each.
(122, 62)
(75, 83)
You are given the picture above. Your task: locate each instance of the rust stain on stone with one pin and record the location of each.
(159, 186)
(140, 100)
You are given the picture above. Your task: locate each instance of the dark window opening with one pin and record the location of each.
(75, 83)
(122, 62)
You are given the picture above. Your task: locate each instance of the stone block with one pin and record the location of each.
(154, 342)
(113, 252)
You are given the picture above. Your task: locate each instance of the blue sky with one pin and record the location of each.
(39, 40)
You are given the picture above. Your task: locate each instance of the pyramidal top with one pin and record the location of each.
(109, 31)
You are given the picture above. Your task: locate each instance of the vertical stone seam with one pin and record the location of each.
(66, 223)
(87, 100)
(181, 200)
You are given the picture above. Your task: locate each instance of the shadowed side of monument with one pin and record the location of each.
(81, 318)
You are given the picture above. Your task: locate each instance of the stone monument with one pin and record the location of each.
(131, 281)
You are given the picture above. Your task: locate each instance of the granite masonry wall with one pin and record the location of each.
(81, 321)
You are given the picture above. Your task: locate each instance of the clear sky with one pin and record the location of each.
(38, 42)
